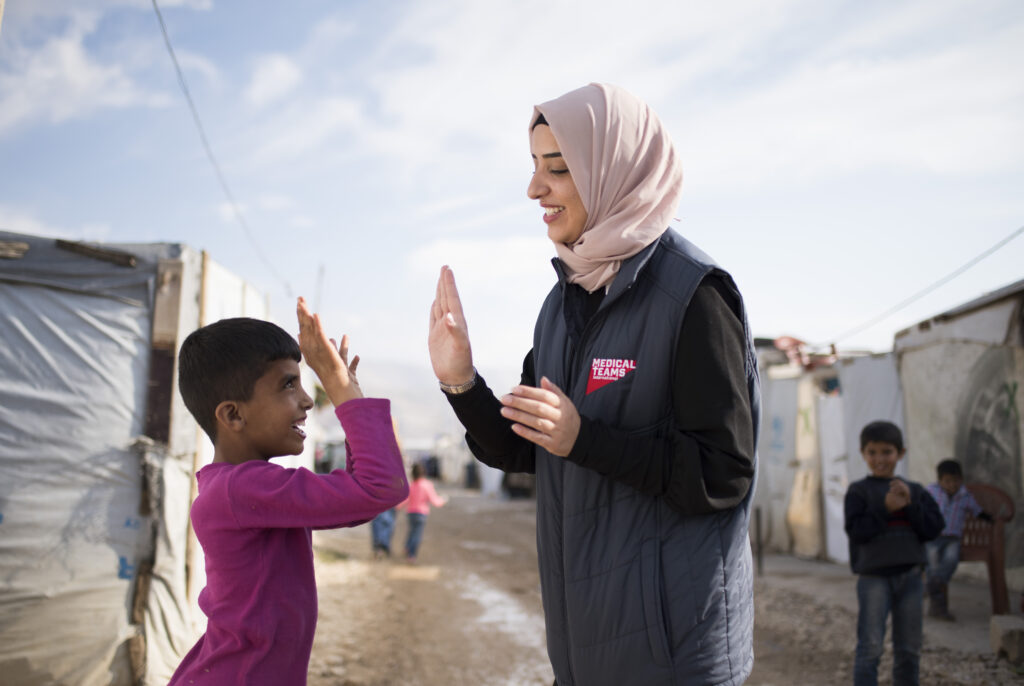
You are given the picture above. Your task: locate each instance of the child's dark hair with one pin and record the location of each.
(222, 361)
(881, 432)
(949, 468)
(417, 471)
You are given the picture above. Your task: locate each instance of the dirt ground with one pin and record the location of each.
(469, 612)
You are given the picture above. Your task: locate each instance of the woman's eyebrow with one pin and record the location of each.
(548, 155)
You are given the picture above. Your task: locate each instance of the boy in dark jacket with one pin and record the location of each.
(888, 519)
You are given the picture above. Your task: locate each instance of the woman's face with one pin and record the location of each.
(553, 186)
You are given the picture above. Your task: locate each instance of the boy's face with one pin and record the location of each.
(881, 458)
(950, 483)
(276, 412)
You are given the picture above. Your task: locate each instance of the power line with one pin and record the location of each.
(949, 277)
(213, 160)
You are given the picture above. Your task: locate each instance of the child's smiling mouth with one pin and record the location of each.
(297, 427)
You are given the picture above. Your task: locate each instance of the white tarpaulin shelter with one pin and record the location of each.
(962, 372)
(98, 568)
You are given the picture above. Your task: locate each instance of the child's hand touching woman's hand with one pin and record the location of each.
(326, 358)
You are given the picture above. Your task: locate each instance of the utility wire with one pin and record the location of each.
(213, 160)
(949, 277)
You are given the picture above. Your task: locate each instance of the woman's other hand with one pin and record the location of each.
(450, 354)
(544, 416)
(326, 358)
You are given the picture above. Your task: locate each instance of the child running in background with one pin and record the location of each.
(240, 379)
(888, 519)
(955, 502)
(421, 496)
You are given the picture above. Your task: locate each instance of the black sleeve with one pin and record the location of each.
(489, 435)
(706, 463)
(924, 514)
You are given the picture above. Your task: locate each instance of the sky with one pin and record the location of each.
(838, 157)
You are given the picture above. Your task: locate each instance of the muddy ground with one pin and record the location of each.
(469, 612)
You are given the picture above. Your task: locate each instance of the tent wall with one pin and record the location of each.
(963, 401)
(777, 465)
(74, 361)
(834, 480)
(804, 514)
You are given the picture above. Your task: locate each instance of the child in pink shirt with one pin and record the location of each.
(421, 496)
(240, 380)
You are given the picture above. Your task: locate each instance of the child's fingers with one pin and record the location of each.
(343, 349)
(352, 367)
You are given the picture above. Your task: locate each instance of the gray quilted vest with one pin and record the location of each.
(633, 591)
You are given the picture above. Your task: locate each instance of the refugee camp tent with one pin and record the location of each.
(961, 373)
(98, 568)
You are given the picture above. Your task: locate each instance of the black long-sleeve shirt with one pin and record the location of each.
(706, 464)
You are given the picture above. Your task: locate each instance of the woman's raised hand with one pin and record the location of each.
(450, 354)
(326, 358)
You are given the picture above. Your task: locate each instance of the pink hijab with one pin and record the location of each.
(627, 173)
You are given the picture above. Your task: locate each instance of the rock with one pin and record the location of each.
(1007, 633)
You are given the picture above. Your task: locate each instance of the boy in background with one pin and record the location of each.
(240, 380)
(955, 502)
(887, 520)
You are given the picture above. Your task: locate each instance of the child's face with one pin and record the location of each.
(881, 458)
(276, 412)
(950, 483)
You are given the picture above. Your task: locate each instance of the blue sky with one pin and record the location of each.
(838, 157)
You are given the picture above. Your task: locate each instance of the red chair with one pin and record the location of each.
(984, 541)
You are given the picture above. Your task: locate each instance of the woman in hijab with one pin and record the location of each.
(637, 410)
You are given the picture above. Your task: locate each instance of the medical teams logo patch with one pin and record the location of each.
(603, 371)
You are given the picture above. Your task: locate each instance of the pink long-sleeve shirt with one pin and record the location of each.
(421, 496)
(254, 521)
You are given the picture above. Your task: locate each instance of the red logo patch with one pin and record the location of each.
(604, 371)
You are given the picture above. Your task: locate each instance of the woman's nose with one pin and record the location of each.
(536, 189)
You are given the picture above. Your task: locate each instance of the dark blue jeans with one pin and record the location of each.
(878, 596)
(415, 535)
(943, 557)
(381, 528)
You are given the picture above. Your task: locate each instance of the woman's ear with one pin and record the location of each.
(229, 416)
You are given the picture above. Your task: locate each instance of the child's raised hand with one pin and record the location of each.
(330, 362)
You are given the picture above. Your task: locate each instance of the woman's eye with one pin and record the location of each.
(559, 171)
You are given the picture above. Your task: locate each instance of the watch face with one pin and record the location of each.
(988, 435)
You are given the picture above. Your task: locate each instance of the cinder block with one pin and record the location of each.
(1007, 633)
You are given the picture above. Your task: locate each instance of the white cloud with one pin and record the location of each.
(274, 76)
(275, 202)
(226, 212)
(304, 127)
(18, 220)
(59, 80)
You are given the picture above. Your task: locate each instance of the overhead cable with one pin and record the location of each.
(920, 294)
(213, 160)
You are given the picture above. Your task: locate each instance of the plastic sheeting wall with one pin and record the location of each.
(776, 450)
(804, 514)
(72, 381)
(963, 400)
(834, 481)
